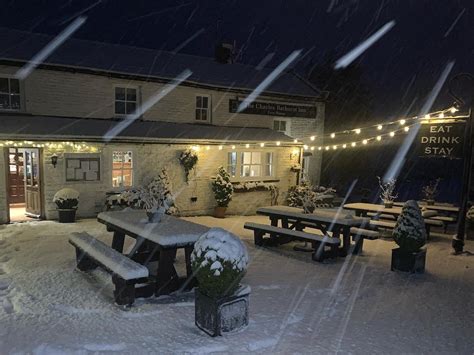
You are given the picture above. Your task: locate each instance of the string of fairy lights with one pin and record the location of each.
(329, 141)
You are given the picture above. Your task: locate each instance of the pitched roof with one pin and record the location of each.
(106, 57)
(19, 126)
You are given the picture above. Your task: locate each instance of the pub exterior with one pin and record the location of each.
(53, 123)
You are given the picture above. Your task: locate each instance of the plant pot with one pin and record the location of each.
(430, 202)
(388, 204)
(413, 262)
(67, 215)
(222, 315)
(219, 212)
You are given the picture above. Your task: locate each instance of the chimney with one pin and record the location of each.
(224, 53)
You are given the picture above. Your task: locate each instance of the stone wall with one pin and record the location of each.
(149, 159)
(3, 190)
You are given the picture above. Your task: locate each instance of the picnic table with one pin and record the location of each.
(437, 207)
(155, 242)
(338, 224)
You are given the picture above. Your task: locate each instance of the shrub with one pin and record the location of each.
(219, 261)
(410, 232)
(222, 188)
(387, 190)
(66, 198)
(188, 160)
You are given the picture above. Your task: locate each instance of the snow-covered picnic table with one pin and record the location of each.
(338, 223)
(446, 208)
(155, 242)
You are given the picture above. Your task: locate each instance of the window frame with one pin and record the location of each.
(209, 108)
(132, 169)
(137, 99)
(239, 165)
(20, 97)
(287, 121)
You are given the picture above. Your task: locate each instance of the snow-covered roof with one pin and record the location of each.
(17, 126)
(147, 63)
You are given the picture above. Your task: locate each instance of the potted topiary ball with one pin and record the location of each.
(223, 190)
(219, 262)
(410, 235)
(66, 200)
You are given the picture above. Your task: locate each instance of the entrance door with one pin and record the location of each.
(32, 182)
(305, 169)
(16, 176)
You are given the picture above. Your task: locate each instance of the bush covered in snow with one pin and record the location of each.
(66, 198)
(387, 190)
(430, 191)
(410, 232)
(188, 160)
(309, 197)
(219, 261)
(222, 188)
(470, 214)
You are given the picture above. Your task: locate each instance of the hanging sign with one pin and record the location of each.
(441, 140)
(274, 109)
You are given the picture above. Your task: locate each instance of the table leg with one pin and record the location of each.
(273, 236)
(346, 240)
(118, 241)
(167, 279)
(190, 279)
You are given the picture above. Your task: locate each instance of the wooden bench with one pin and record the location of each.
(391, 225)
(358, 236)
(318, 241)
(378, 215)
(91, 252)
(446, 220)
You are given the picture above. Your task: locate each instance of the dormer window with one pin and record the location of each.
(203, 106)
(9, 94)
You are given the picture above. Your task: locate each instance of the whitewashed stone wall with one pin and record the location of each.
(149, 160)
(3, 190)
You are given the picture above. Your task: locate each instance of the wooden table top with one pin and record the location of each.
(170, 232)
(341, 218)
(372, 207)
(446, 208)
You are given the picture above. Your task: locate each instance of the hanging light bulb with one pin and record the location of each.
(406, 129)
(364, 141)
(357, 130)
(402, 122)
(312, 138)
(295, 141)
(441, 115)
(453, 109)
(379, 138)
(247, 145)
(379, 127)
(320, 148)
(427, 116)
(278, 143)
(333, 135)
(344, 146)
(353, 144)
(208, 147)
(305, 147)
(312, 148)
(327, 148)
(392, 134)
(334, 147)
(262, 145)
(233, 147)
(221, 147)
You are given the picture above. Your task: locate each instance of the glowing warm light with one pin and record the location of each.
(427, 116)
(312, 138)
(364, 141)
(278, 143)
(320, 148)
(247, 145)
(379, 127)
(357, 130)
(295, 152)
(221, 147)
(327, 148)
(441, 115)
(195, 148)
(262, 145)
(208, 147)
(312, 148)
(305, 147)
(353, 144)
(406, 129)
(295, 141)
(402, 122)
(379, 138)
(233, 147)
(453, 109)
(344, 146)
(392, 134)
(333, 135)
(334, 147)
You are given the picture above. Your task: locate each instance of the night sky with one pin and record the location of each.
(400, 69)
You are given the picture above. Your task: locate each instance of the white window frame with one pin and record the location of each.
(10, 77)
(132, 169)
(239, 165)
(209, 108)
(287, 131)
(137, 98)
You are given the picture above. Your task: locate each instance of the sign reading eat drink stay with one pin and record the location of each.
(441, 140)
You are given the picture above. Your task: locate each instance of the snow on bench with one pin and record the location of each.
(111, 259)
(381, 215)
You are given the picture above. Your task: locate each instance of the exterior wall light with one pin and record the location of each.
(54, 160)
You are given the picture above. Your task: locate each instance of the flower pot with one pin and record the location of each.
(67, 215)
(430, 202)
(219, 212)
(222, 315)
(413, 262)
(388, 204)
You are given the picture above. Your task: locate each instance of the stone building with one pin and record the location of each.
(58, 126)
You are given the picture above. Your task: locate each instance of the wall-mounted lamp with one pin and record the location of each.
(294, 153)
(54, 159)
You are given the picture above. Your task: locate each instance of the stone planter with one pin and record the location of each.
(223, 315)
(413, 262)
(219, 212)
(430, 202)
(67, 215)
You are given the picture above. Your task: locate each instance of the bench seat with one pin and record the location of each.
(91, 252)
(358, 236)
(315, 238)
(381, 215)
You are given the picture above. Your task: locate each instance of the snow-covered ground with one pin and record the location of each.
(297, 306)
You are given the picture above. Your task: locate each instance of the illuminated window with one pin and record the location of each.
(122, 168)
(125, 100)
(249, 165)
(203, 105)
(9, 94)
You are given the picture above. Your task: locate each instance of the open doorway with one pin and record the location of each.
(24, 194)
